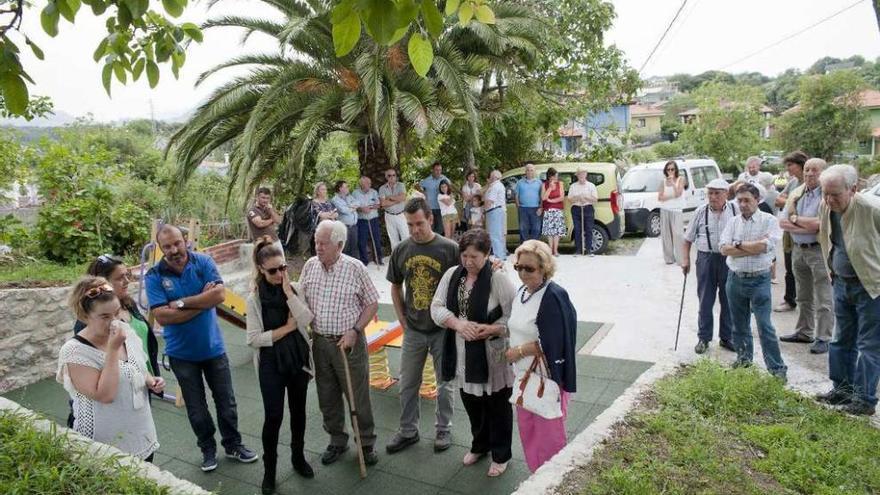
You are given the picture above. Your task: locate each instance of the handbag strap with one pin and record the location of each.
(532, 369)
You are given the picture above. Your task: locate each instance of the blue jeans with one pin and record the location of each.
(364, 228)
(711, 281)
(747, 296)
(216, 372)
(854, 356)
(529, 223)
(496, 225)
(583, 216)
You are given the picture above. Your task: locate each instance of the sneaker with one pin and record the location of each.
(370, 456)
(783, 307)
(442, 441)
(835, 397)
(797, 338)
(591, 255)
(242, 454)
(400, 442)
(858, 408)
(701, 347)
(819, 347)
(332, 454)
(209, 461)
(742, 363)
(727, 345)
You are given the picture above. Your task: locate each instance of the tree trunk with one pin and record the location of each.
(373, 160)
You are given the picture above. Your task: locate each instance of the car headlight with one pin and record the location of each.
(633, 204)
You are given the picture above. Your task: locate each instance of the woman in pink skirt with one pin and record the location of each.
(542, 320)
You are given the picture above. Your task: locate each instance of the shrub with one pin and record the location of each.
(666, 151)
(13, 233)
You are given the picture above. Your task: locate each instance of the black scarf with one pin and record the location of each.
(476, 366)
(291, 353)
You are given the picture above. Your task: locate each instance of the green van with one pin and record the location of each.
(609, 211)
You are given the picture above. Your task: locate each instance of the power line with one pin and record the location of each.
(677, 13)
(792, 35)
(686, 15)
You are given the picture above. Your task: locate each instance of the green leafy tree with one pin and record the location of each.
(728, 126)
(828, 115)
(276, 116)
(138, 40)
(782, 92)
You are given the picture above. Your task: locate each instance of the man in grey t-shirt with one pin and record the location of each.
(420, 262)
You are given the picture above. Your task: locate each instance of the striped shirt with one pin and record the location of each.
(757, 227)
(697, 230)
(337, 296)
(807, 206)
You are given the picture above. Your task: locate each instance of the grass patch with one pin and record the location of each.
(627, 245)
(34, 461)
(716, 430)
(39, 273)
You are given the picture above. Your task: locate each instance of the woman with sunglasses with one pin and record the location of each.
(277, 327)
(472, 303)
(542, 321)
(104, 369)
(671, 200)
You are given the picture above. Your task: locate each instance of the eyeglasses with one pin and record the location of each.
(97, 291)
(273, 271)
(524, 268)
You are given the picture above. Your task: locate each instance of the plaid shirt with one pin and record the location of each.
(759, 226)
(337, 296)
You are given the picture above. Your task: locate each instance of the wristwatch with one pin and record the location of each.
(737, 244)
(179, 304)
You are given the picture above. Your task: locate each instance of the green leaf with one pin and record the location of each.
(398, 35)
(381, 20)
(152, 73)
(15, 92)
(138, 68)
(421, 54)
(119, 70)
(452, 6)
(101, 50)
(173, 7)
(49, 19)
(346, 34)
(34, 48)
(98, 6)
(192, 31)
(137, 7)
(341, 12)
(465, 14)
(68, 8)
(123, 15)
(485, 15)
(433, 17)
(106, 76)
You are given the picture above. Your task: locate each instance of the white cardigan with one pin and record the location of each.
(258, 336)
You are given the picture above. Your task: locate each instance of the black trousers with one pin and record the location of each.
(273, 385)
(790, 288)
(491, 418)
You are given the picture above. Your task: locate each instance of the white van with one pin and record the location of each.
(642, 182)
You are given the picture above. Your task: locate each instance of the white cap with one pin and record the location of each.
(718, 184)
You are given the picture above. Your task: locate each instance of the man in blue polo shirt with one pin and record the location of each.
(430, 186)
(183, 289)
(528, 200)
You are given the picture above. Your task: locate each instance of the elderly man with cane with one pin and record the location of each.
(583, 197)
(705, 231)
(849, 235)
(343, 299)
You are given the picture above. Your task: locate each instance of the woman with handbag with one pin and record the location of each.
(472, 303)
(543, 331)
(277, 326)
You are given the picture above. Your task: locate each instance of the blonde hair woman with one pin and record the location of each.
(542, 321)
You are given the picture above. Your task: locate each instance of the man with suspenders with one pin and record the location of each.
(705, 232)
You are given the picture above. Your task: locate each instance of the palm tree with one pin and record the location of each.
(275, 116)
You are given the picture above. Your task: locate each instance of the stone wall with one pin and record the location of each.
(34, 323)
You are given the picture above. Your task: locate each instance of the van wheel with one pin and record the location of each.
(652, 227)
(600, 239)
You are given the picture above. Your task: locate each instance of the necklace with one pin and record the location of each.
(522, 297)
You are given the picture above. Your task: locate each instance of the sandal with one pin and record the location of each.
(471, 458)
(496, 470)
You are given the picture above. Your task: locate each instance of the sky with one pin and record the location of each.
(709, 34)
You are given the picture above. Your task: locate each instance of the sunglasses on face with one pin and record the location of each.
(273, 271)
(97, 291)
(524, 268)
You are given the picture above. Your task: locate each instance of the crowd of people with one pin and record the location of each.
(830, 238)
(455, 302)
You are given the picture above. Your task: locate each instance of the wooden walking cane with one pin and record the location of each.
(354, 419)
(584, 246)
(680, 308)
